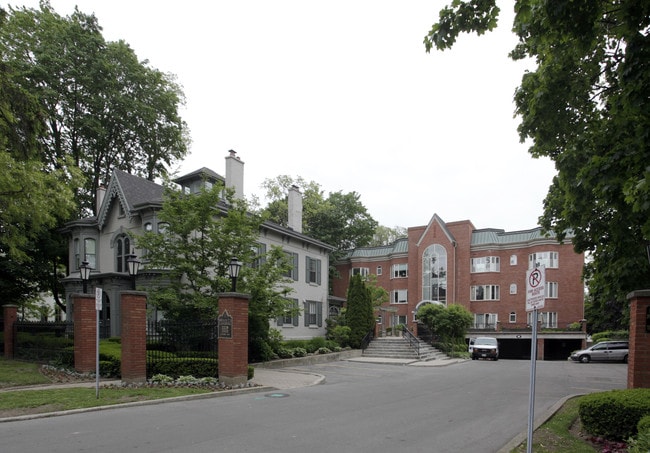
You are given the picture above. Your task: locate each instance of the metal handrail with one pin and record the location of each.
(365, 341)
(412, 339)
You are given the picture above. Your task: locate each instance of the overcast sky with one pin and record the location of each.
(343, 93)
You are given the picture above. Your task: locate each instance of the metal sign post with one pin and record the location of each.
(98, 308)
(535, 292)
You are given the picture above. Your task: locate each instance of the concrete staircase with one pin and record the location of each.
(399, 348)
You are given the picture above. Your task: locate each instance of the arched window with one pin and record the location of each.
(434, 274)
(122, 250)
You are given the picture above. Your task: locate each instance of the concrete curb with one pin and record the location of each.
(217, 394)
(539, 421)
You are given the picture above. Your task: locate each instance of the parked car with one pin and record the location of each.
(605, 351)
(485, 348)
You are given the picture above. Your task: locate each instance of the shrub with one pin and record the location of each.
(292, 344)
(299, 352)
(642, 442)
(341, 335)
(176, 367)
(260, 351)
(316, 343)
(324, 350)
(614, 414)
(284, 353)
(610, 335)
(644, 424)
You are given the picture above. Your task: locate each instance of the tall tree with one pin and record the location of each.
(102, 108)
(359, 315)
(205, 230)
(34, 199)
(587, 107)
(72, 108)
(385, 235)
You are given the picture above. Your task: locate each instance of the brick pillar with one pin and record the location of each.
(10, 314)
(133, 318)
(85, 332)
(638, 368)
(233, 348)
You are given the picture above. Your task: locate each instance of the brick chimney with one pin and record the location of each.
(295, 209)
(235, 174)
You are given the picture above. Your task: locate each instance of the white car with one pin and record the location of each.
(485, 348)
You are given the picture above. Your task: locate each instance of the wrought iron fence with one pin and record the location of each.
(44, 341)
(182, 348)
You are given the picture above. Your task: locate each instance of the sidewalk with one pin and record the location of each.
(409, 362)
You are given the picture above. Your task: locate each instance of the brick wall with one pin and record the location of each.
(85, 332)
(638, 368)
(233, 352)
(134, 336)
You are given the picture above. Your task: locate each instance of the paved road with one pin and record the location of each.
(475, 406)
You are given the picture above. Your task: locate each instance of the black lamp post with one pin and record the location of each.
(132, 265)
(84, 271)
(233, 270)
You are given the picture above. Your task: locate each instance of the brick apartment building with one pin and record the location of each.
(485, 271)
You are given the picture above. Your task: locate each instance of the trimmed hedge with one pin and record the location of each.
(176, 367)
(614, 414)
(610, 335)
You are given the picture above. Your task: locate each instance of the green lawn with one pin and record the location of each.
(22, 402)
(52, 400)
(13, 373)
(555, 435)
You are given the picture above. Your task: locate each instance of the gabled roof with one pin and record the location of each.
(131, 191)
(134, 192)
(443, 226)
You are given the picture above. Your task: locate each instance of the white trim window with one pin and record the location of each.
(313, 270)
(379, 270)
(400, 270)
(546, 320)
(313, 313)
(512, 318)
(485, 320)
(485, 264)
(484, 292)
(548, 259)
(399, 296)
(90, 252)
(551, 290)
(363, 271)
(513, 288)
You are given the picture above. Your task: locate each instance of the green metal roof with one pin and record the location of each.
(501, 237)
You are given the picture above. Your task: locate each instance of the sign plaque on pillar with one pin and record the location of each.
(224, 325)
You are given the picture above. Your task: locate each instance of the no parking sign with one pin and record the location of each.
(535, 288)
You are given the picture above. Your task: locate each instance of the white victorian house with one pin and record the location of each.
(129, 206)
